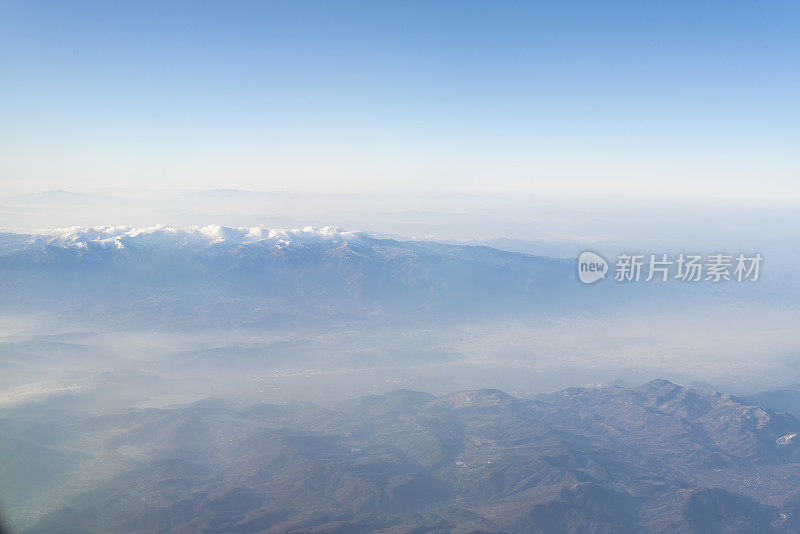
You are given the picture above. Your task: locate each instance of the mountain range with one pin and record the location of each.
(654, 458)
(250, 277)
(247, 275)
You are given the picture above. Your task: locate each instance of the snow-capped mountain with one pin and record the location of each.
(86, 240)
(229, 272)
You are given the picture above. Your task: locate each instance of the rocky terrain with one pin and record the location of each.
(655, 458)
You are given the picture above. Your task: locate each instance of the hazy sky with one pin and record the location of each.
(644, 97)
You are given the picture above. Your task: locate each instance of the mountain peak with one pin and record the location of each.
(660, 383)
(479, 397)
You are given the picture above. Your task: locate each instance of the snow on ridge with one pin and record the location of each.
(197, 236)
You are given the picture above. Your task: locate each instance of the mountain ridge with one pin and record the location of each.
(143, 274)
(610, 459)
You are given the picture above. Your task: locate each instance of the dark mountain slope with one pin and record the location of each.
(657, 458)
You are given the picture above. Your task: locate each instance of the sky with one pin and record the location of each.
(651, 98)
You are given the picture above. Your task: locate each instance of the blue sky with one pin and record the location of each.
(655, 98)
